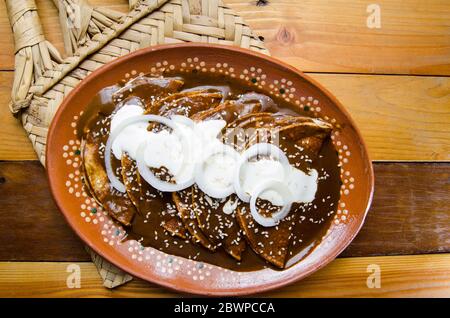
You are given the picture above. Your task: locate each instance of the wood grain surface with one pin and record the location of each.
(318, 35)
(332, 36)
(400, 276)
(400, 117)
(397, 88)
(14, 143)
(409, 215)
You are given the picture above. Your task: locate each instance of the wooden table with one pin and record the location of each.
(395, 82)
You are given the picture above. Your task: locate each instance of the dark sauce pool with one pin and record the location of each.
(314, 220)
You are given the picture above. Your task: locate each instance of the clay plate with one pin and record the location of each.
(98, 231)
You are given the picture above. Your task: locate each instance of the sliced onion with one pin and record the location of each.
(214, 192)
(286, 195)
(153, 180)
(115, 182)
(183, 120)
(257, 149)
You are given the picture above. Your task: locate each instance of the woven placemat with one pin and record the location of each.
(94, 36)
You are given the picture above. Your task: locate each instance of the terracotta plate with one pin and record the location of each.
(101, 234)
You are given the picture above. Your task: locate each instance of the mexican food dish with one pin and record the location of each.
(206, 168)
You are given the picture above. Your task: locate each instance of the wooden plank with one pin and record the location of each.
(401, 117)
(400, 276)
(319, 35)
(6, 40)
(32, 227)
(333, 36)
(410, 214)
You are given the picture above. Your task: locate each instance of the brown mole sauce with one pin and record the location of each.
(314, 220)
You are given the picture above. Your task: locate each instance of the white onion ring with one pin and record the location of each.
(115, 182)
(257, 149)
(283, 190)
(154, 181)
(182, 120)
(200, 178)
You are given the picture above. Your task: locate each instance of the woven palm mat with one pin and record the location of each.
(94, 36)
